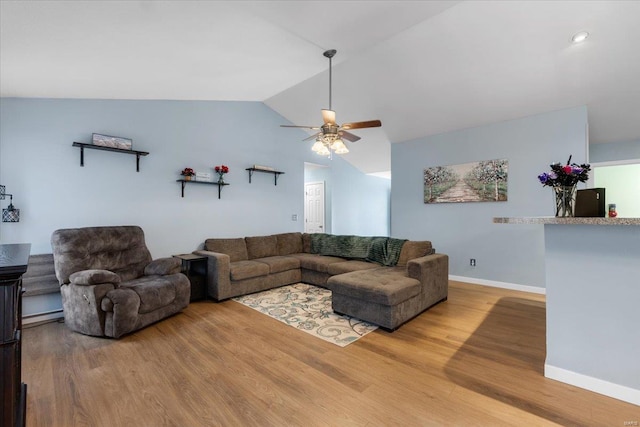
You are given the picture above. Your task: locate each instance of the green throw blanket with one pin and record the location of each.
(381, 250)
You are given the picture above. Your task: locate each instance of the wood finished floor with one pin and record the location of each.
(475, 360)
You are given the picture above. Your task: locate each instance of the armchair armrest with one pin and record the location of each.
(162, 267)
(93, 277)
(218, 273)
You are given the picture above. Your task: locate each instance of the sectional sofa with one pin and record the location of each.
(377, 279)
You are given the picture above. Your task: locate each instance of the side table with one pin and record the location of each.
(195, 268)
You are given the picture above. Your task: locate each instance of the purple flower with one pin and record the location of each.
(543, 177)
(568, 174)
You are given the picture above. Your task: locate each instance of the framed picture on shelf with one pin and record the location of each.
(112, 141)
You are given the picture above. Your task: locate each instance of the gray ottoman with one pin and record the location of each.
(384, 296)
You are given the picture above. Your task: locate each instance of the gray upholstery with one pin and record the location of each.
(109, 284)
(387, 296)
(261, 246)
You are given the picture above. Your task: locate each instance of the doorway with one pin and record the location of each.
(314, 207)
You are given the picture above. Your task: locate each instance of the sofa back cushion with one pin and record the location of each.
(120, 249)
(306, 243)
(261, 246)
(289, 243)
(235, 248)
(414, 249)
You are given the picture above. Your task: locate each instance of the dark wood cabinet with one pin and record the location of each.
(195, 268)
(13, 264)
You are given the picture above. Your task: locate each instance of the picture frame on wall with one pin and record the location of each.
(112, 141)
(484, 181)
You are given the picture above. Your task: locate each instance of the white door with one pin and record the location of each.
(314, 207)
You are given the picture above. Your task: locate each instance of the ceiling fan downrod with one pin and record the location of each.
(330, 54)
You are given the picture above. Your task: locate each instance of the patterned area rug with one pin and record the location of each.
(308, 308)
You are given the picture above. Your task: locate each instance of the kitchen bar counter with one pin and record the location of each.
(592, 275)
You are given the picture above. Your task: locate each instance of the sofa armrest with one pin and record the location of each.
(218, 273)
(162, 267)
(93, 277)
(433, 273)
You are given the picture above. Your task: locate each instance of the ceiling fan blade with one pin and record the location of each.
(348, 136)
(329, 117)
(360, 125)
(315, 135)
(302, 127)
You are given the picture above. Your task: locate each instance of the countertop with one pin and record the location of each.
(567, 220)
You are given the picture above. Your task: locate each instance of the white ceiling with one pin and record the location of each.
(422, 67)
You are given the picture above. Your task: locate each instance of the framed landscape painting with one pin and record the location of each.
(484, 181)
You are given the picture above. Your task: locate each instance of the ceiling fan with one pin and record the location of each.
(330, 135)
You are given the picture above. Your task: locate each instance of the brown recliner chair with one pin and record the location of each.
(109, 284)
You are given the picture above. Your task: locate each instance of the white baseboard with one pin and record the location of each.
(494, 284)
(42, 317)
(617, 391)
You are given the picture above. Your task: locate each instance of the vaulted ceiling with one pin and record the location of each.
(422, 67)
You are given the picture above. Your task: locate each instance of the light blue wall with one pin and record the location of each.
(39, 166)
(613, 151)
(512, 255)
(360, 203)
(355, 203)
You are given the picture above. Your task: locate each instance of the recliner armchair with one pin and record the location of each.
(109, 284)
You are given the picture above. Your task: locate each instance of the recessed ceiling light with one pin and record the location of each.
(579, 37)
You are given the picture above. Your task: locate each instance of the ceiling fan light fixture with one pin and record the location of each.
(329, 138)
(342, 149)
(318, 145)
(324, 151)
(337, 145)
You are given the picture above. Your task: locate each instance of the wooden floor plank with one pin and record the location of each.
(476, 359)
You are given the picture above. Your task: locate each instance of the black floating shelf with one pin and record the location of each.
(185, 182)
(276, 174)
(82, 146)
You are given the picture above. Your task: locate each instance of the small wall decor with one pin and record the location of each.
(484, 181)
(221, 171)
(112, 141)
(187, 173)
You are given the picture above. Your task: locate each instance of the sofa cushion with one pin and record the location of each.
(155, 292)
(235, 248)
(414, 249)
(319, 263)
(289, 243)
(280, 263)
(383, 285)
(306, 242)
(261, 246)
(247, 269)
(349, 266)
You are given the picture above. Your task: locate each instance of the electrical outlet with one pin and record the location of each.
(294, 217)
(472, 262)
